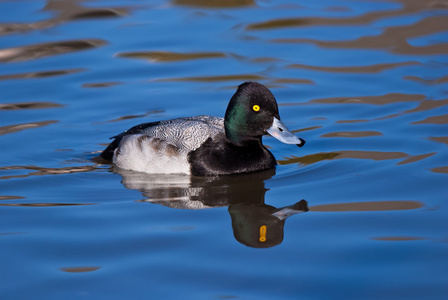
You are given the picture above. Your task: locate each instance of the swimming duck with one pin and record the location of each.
(206, 145)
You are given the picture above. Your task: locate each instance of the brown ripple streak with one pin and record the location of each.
(44, 204)
(40, 74)
(80, 269)
(216, 78)
(62, 12)
(367, 206)
(393, 39)
(314, 158)
(19, 127)
(439, 139)
(214, 3)
(30, 52)
(355, 69)
(443, 170)
(164, 56)
(427, 81)
(398, 238)
(416, 158)
(352, 134)
(377, 100)
(438, 120)
(45, 171)
(29, 105)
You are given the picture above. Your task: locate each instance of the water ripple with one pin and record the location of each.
(29, 105)
(352, 134)
(416, 158)
(165, 56)
(44, 204)
(440, 139)
(214, 3)
(45, 171)
(367, 206)
(41, 74)
(438, 120)
(439, 80)
(80, 269)
(443, 170)
(64, 11)
(377, 68)
(37, 51)
(19, 127)
(357, 154)
(238, 78)
(393, 39)
(377, 100)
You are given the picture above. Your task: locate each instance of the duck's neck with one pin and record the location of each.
(246, 141)
(237, 134)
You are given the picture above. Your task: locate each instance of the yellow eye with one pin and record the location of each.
(256, 108)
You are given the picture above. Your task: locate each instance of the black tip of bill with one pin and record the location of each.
(302, 142)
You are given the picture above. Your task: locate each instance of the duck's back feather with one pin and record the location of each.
(187, 134)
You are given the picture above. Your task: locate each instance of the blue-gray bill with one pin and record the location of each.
(279, 131)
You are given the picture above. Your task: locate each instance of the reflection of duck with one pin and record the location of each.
(206, 145)
(261, 226)
(254, 223)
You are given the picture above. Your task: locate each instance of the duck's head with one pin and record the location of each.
(253, 112)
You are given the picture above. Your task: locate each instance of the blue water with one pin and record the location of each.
(364, 82)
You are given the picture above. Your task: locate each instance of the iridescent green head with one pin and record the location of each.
(253, 112)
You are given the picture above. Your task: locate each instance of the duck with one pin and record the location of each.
(206, 145)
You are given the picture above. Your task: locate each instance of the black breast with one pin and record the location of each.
(219, 157)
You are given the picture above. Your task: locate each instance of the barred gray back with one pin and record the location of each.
(187, 133)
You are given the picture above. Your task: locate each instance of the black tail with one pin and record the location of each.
(108, 153)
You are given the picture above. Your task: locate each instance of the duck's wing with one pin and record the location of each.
(186, 134)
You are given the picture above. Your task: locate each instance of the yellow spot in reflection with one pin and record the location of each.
(263, 230)
(256, 108)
